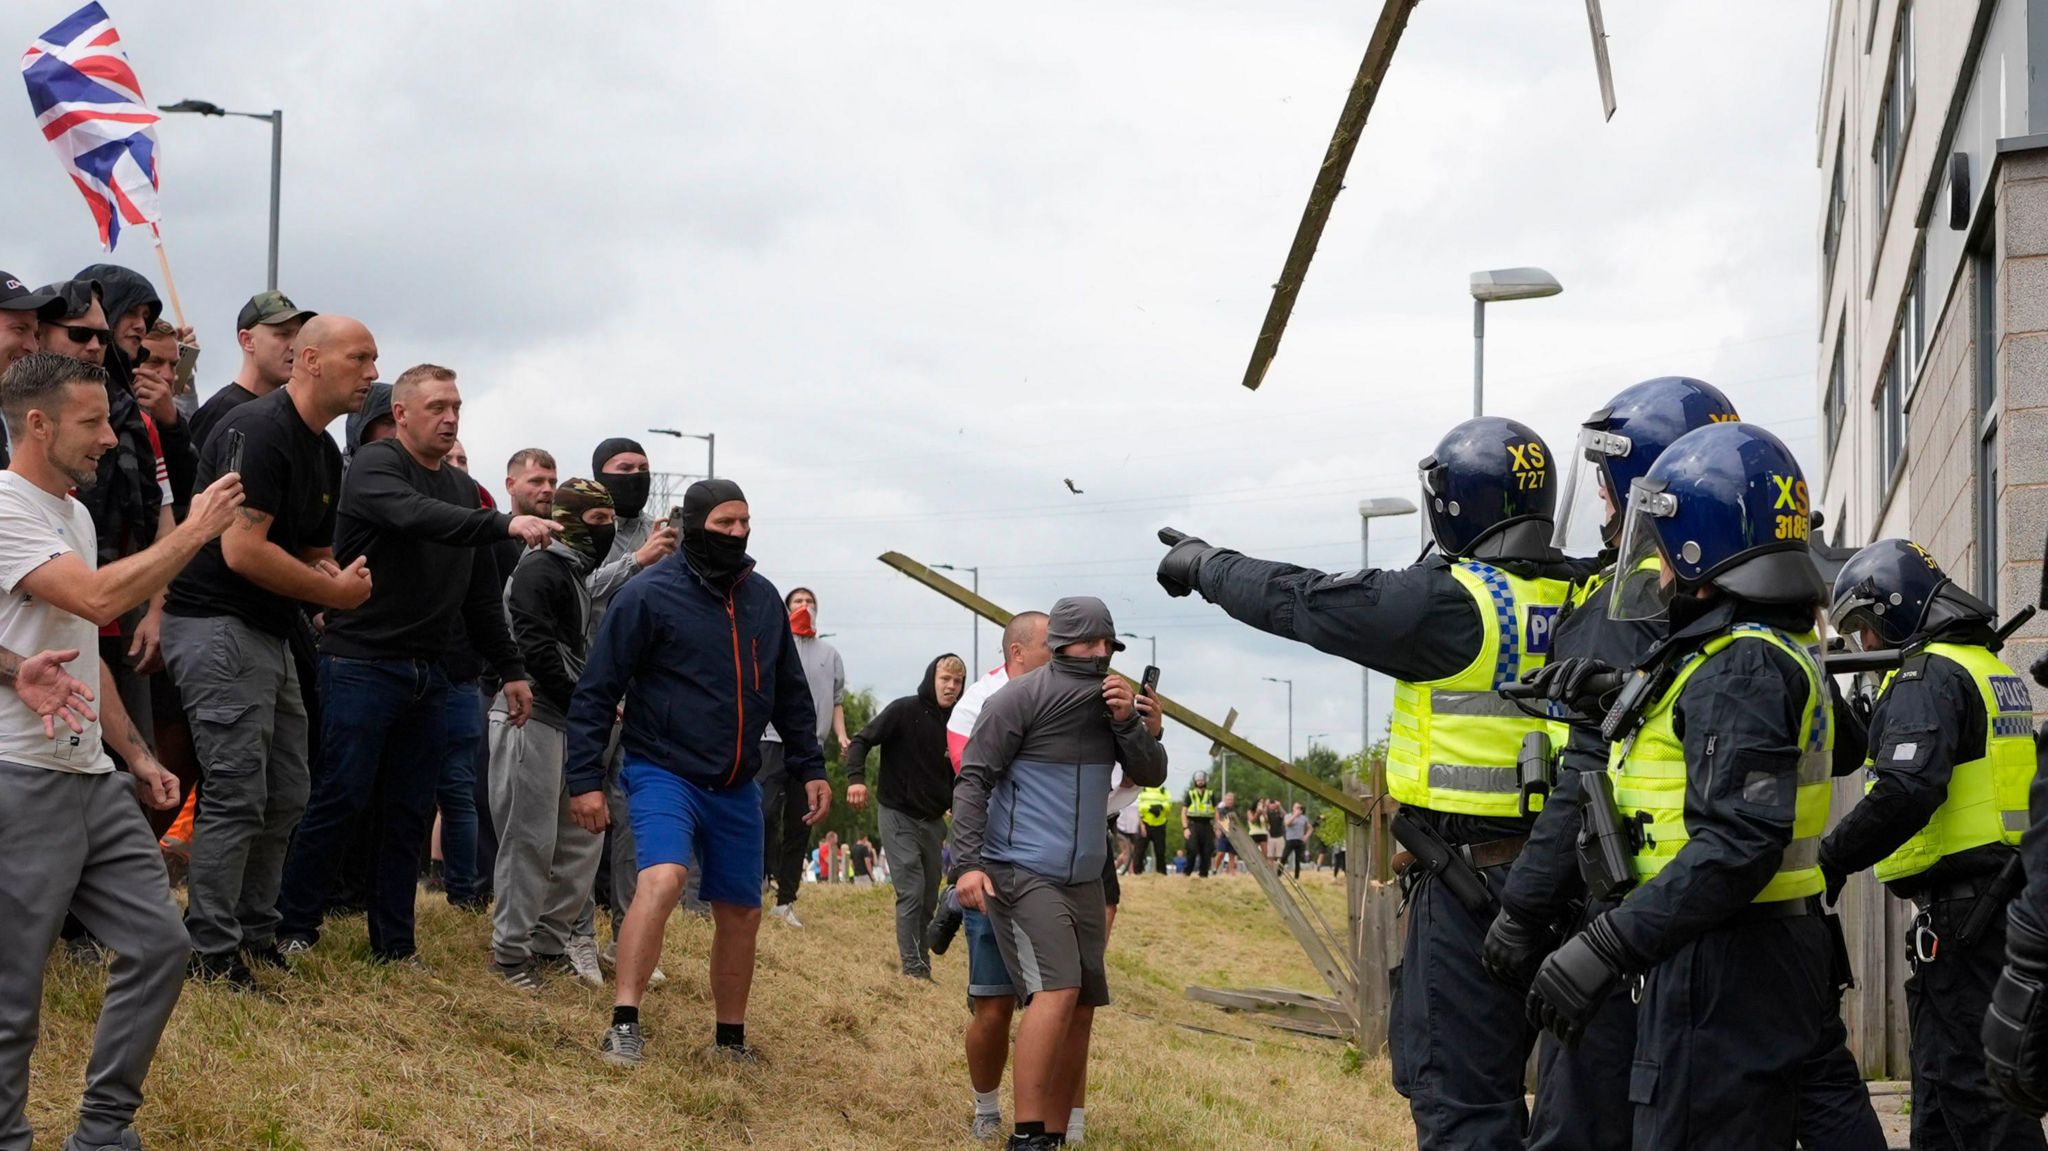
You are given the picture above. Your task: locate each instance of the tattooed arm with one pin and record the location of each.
(250, 552)
(50, 691)
(157, 787)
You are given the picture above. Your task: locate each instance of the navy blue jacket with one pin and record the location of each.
(702, 673)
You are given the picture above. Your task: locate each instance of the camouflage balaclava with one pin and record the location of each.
(572, 499)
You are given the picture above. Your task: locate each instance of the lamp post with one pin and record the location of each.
(1290, 725)
(710, 447)
(1154, 661)
(1496, 285)
(975, 572)
(1368, 511)
(276, 118)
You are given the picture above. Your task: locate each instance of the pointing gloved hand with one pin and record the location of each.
(1569, 681)
(1514, 948)
(2016, 1028)
(1576, 979)
(1835, 878)
(1183, 562)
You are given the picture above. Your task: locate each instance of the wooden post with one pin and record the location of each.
(1322, 196)
(1333, 970)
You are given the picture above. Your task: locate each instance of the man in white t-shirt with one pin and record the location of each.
(71, 835)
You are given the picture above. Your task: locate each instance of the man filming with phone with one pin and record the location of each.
(227, 628)
(1029, 848)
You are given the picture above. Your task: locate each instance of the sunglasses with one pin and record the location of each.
(100, 336)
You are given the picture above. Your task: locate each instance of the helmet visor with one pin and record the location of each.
(1584, 507)
(1643, 586)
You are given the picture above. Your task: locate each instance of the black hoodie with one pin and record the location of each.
(911, 733)
(125, 498)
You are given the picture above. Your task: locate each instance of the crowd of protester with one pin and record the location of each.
(328, 670)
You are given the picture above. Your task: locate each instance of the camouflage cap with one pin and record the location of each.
(272, 307)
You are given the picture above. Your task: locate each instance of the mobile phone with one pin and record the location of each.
(1149, 683)
(234, 459)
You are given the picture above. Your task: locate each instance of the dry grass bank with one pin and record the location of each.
(348, 1055)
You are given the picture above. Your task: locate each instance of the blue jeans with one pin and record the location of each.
(456, 792)
(383, 739)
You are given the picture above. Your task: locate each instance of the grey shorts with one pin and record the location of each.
(1052, 935)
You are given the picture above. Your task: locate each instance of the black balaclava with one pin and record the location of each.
(719, 559)
(629, 492)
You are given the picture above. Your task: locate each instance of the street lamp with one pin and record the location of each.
(276, 118)
(1368, 511)
(1154, 661)
(974, 616)
(1499, 285)
(1290, 726)
(710, 447)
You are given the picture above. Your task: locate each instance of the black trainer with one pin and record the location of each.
(939, 933)
(227, 969)
(266, 955)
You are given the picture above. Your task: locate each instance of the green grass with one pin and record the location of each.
(346, 1055)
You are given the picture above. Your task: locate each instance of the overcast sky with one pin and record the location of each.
(917, 263)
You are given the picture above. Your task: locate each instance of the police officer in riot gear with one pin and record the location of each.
(1582, 1091)
(1720, 765)
(1464, 621)
(1951, 755)
(1198, 824)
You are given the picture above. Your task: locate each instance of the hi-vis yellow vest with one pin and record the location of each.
(1154, 799)
(1455, 742)
(1650, 771)
(1987, 798)
(1201, 803)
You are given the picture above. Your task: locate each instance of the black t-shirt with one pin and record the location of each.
(860, 854)
(216, 408)
(1276, 823)
(289, 470)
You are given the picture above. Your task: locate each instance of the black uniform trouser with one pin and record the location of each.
(1733, 1031)
(785, 838)
(1953, 1104)
(1582, 1092)
(1155, 842)
(1458, 1040)
(1201, 843)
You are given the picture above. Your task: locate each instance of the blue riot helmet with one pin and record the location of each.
(1897, 590)
(1725, 506)
(1617, 445)
(1489, 489)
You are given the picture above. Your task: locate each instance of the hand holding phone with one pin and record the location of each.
(236, 441)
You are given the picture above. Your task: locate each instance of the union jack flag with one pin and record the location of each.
(90, 108)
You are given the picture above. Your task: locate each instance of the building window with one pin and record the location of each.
(1913, 323)
(1891, 419)
(1836, 404)
(1984, 269)
(1897, 113)
(1831, 239)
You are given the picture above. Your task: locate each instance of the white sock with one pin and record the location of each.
(988, 1102)
(1074, 1126)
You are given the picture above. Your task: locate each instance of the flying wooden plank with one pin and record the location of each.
(1600, 57)
(1379, 52)
(987, 609)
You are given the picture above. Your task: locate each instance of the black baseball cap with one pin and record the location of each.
(16, 296)
(272, 307)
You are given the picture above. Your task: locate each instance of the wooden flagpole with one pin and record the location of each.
(170, 283)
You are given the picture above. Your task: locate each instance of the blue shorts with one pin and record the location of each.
(987, 977)
(717, 834)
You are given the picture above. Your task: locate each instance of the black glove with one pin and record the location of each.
(2016, 1028)
(1513, 948)
(1183, 562)
(1836, 879)
(1576, 979)
(1566, 681)
(2040, 670)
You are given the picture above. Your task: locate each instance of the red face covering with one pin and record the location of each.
(801, 623)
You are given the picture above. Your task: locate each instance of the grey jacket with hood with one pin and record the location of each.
(1035, 778)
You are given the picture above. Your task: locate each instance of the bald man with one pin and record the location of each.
(227, 631)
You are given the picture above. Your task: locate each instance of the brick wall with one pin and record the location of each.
(2023, 381)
